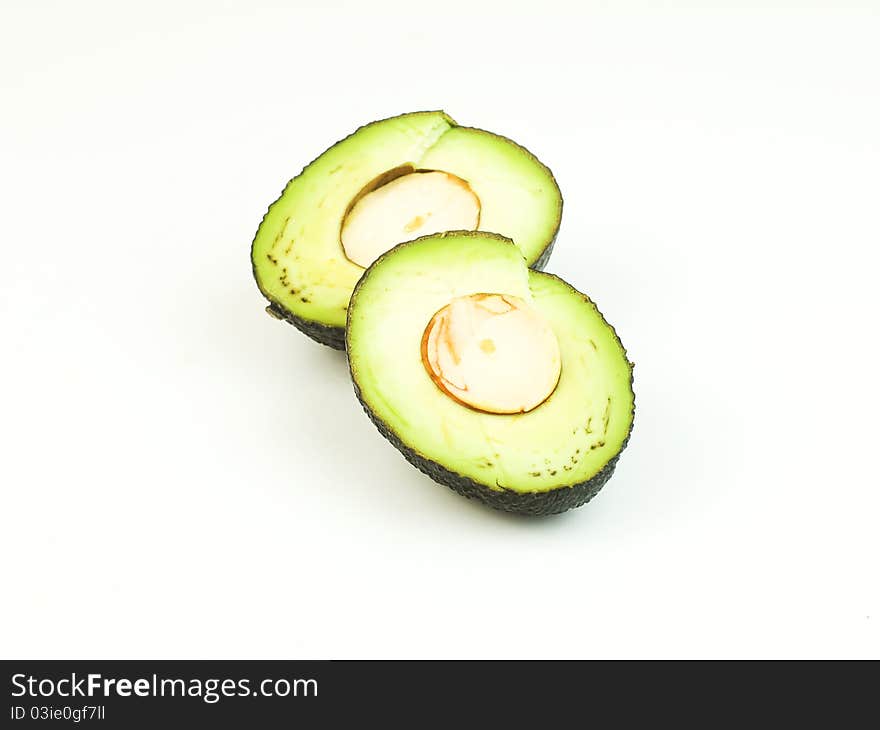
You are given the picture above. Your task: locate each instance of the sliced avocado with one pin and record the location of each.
(391, 181)
(503, 383)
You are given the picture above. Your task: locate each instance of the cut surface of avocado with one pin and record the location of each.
(392, 181)
(548, 458)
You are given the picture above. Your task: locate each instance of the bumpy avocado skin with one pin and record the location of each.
(325, 334)
(530, 504)
(545, 254)
(335, 336)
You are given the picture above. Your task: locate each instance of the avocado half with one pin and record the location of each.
(391, 181)
(551, 457)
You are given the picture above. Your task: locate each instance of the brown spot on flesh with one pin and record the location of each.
(416, 222)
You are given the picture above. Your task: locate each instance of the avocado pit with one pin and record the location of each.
(410, 205)
(493, 353)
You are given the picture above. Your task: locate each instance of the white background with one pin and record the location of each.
(183, 476)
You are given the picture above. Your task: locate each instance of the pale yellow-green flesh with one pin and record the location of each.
(298, 259)
(518, 197)
(566, 440)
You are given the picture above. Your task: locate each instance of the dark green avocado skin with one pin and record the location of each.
(531, 504)
(325, 334)
(545, 254)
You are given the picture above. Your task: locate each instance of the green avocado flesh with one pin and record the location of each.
(298, 259)
(546, 460)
